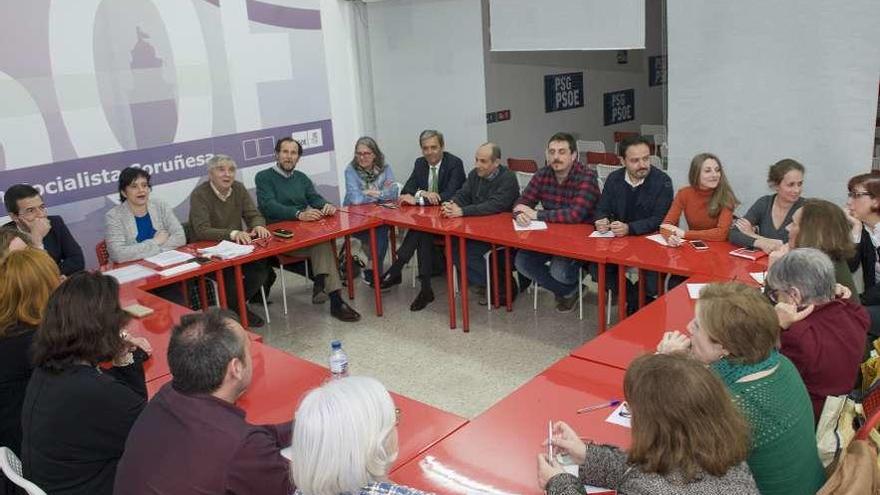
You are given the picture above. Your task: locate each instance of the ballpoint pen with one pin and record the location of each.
(595, 407)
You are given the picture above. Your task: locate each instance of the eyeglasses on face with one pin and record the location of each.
(858, 194)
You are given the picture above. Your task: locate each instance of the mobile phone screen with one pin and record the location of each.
(699, 245)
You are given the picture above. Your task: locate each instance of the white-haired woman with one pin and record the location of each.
(823, 335)
(345, 440)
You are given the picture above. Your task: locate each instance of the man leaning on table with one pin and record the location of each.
(284, 193)
(568, 192)
(217, 209)
(191, 438)
(634, 202)
(490, 188)
(436, 176)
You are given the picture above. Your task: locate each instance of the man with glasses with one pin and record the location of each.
(47, 232)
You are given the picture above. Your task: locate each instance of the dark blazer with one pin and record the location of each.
(655, 197)
(74, 425)
(61, 246)
(450, 179)
(866, 257)
(15, 371)
(197, 444)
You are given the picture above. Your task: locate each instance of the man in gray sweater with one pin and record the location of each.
(490, 188)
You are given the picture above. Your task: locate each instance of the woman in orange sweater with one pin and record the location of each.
(707, 203)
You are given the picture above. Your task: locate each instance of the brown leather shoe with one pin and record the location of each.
(345, 313)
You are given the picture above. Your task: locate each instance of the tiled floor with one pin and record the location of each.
(417, 355)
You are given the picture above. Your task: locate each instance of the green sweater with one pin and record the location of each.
(214, 220)
(282, 198)
(783, 458)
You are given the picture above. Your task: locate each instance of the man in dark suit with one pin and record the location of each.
(634, 201)
(48, 232)
(435, 178)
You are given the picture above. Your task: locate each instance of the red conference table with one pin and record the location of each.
(424, 219)
(280, 380)
(640, 333)
(560, 239)
(156, 327)
(497, 451)
(306, 234)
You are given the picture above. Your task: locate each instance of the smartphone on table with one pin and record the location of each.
(283, 233)
(699, 245)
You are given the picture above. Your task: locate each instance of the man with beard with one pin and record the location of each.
(634, 201)
(284, 193)
(568, 192)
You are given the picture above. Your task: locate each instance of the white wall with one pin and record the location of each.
(343, 26)
(427, 73)
(756, 81)
(515, 81)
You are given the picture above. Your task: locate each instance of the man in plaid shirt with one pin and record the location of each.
(568, 192)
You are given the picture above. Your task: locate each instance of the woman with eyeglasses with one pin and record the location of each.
(345, 440)
(735, 331)
(863, 212)
(369, 179)
(822, 225)
(764, 225)
(824, 336)
(681, 413)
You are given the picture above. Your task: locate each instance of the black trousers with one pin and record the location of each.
(416, 243)
(255, 273)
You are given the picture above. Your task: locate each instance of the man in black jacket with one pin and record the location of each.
(634, 201)
(436, 176)
(48, 232)
(490, 188)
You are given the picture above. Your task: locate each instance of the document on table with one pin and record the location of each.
(130, 273)
(758, 276)
(658, 238)
(170, 272)
(620, 416)
(694, 290)
(168, 258)
(533, 225)
(596, 233)
(227, 250)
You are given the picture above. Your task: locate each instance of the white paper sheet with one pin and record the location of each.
(620, 416)
(168, 272)
(758, 276)
(287, 453)
(694, 290)
(130, 273)
(168, 258)
(533, 225)
(227, 250)
(658, 239)
(596, 233)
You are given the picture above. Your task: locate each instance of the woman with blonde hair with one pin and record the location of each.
(345, 440)
(707, 203)
(27, 279)
(735, 331)
(681, 413)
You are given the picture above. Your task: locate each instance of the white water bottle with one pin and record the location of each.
(338, 360)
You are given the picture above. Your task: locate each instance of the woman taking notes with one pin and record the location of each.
(681, 413)
(707, 203)
(764, 225)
